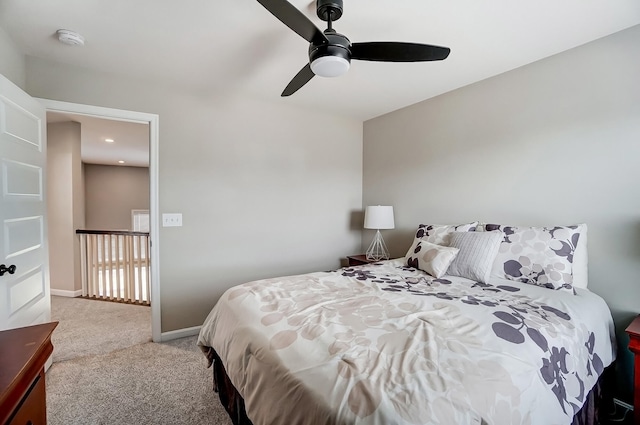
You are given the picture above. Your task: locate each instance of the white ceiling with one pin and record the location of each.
(130, 140)
(238, 45)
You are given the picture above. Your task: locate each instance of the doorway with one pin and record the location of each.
(152, 121)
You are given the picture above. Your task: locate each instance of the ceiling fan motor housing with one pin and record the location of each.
(332, 59)
(329, 8)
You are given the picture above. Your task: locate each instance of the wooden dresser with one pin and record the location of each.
(23, 353)
(634, 345)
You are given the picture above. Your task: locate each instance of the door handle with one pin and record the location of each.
(11, 269)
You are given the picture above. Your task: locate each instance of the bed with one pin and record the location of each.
(390, 343)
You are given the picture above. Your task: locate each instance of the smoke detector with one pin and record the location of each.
(70, 38)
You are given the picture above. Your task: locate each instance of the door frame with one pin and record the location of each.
(154, 209)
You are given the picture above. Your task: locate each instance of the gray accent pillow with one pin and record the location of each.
(477, 253)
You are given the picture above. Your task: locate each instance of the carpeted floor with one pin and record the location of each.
(126, 381)
(96, 327)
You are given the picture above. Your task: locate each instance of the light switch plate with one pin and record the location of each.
(172, 220)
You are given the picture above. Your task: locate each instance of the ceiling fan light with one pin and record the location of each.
(330, 66)
(70, 38)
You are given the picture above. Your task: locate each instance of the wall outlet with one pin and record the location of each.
(172, 220)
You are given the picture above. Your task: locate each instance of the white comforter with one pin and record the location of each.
(386, 344)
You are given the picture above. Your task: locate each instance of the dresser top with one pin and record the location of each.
(18, 348)
(634, 328)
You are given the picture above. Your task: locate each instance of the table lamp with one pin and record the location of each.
(378, 217)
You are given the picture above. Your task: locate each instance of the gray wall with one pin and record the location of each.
(12, 61)
(111, 193)
(263, 189)
(554, 142)
(65, 205)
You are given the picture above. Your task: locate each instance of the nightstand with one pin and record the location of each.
(359, 260)
(634, 345)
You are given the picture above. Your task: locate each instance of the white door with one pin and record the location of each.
(24, 294)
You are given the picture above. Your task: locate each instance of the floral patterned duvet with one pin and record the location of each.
(386, 344)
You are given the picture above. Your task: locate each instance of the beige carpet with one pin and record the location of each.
(125, 383)
(96, 327)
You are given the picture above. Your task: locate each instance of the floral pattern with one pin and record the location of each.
(541, 256)
(520, 318)
(431, 258)
(386, 343)
(438, 234)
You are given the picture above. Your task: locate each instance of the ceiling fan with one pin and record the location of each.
(330, 53)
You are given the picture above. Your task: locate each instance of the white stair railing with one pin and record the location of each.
(115, 265)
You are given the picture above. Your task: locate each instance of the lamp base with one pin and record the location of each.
(377, 250)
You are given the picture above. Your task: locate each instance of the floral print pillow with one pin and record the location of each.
(541, 256)
(431, 258)
(438, 234)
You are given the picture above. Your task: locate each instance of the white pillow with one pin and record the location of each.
(431, 258)
(478, 251)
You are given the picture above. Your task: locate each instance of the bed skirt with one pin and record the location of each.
(598, 397)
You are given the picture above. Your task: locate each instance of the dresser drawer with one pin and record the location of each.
(32, 410)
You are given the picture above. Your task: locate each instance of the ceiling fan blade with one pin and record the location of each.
(390, 51)
(298, 81)
(294, 19)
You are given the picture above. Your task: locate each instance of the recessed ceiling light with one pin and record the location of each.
(121, 162)
(70, 38)
(109, 140)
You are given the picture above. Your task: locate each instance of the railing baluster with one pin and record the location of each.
(120, 263)
(136, 267)
(127, 270)
(112, 266)
(91, 240)
(112, 286)
(99, 249)
(130, 290)
(125, 264)
(116, 265)
(105, 276)
(99, 245)
(109, 268)
(127, 275)
(83, 264)
(96, 258)
(132, 267)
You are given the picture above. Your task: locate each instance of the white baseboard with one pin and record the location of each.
(179, 333)
(64, 293)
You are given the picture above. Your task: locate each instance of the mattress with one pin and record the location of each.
(388, 344)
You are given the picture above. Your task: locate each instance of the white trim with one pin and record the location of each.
(154, 208)
(64, 293)
(179, 333)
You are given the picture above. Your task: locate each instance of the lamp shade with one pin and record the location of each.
(379, 217)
